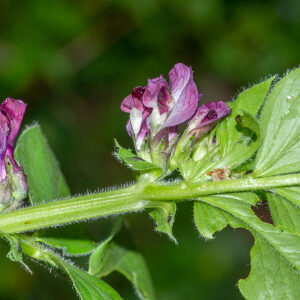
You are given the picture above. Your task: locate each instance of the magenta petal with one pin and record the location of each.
(209, 113)
(152, 90)
(207, 116)
(184, 93)
(185, 107)
(179, 76)
(141, 135)
(127, 104)
(173, 132)
(3, 136)
(14, 110)
(129, 128)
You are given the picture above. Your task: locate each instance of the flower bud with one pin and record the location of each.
(13, 185)
(206, 118)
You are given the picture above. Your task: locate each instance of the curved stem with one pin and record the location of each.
(72, 210)
(129, 199)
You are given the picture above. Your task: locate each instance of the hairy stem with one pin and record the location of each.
(134, 198)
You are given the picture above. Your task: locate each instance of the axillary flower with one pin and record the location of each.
(13, 186)
(156, 110)
(206, 117)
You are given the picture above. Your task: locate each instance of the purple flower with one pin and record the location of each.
(206, 117)
(184, 95)
(136, 125)
(11, 115)
(158, 108)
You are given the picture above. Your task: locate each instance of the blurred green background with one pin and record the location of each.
(74, 61)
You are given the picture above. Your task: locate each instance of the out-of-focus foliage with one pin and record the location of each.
(74, 61)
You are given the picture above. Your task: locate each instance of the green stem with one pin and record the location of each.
(129, 199)
(185, 191)
(71, 210)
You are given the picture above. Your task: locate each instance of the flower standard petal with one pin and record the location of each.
(184, 95)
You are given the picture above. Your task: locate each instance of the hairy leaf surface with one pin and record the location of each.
(275, 257)
(44, 177)
(280, 129)
(110, 257)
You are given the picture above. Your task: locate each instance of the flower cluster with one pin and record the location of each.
(13, 186)
(156, 110)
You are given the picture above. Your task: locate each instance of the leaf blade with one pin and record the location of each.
(280, 152)
(44, 177)
(129, 263)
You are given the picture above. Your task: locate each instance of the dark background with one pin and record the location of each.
(74, 61)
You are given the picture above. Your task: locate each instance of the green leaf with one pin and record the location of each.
(164, 217)
(240, 152)
(250, 101)
(111, 257)
(271, 276)
(44, 177)
(284, 205)
(88, 286)
(235, 143)
(74, 239)
(209, 220)
(280, 128)
(133, 161)
(99, 256)
(15, 252)
(275, 258)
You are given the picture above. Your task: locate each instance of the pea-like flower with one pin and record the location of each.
(206, 117)
(158, 108)
(13, 185)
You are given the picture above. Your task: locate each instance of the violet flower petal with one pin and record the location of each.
(173, 132)
(3, 144)
(11, 115)
(207, 115)
(134, 99)
(129, 128)
(14, 110)
(141, 135)
(179, 77)
(127, 104)
(152, 90)
(184, 93)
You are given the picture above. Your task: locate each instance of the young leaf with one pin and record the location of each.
(240, 152)
(249, 101)
(44, 177)
(87, 286)
(133, 161)
(164, 217)
(15, 252)
(111, 257)
(231, 134)
(99, 256)
(280, 129)
(275, 257)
